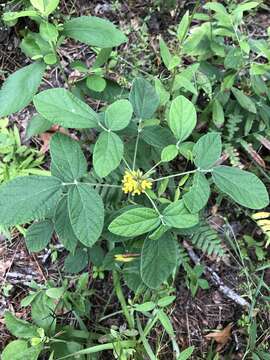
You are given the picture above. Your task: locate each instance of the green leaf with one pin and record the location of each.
(157, 136)
(118, 115)
(19, 350)
(18, 327)
(196, 198)
(217, 114)
(182, 118)
(86, 213)
(158, 260)
(50, 59)
(38, 235)
(176, 215)
(165, 53)
(175, 61)
(37, 125)
(68, 159)
(94, 31)
(233, 60)
(181, 81)
(135, 222)
(207, 150)
(185, 355)
(48, 32)
(132, 276)
(96, 83)
(19, 88)
(55, 293)
(42, 310)
(169, 153)
(146, 345)
(63, 226)
(14, 15)
(13, 348)
(61, 107)
(46, 7)
(245, 7)
(227, 82)
(244, 101)
(166, 301)
(183, 27)
(242, 186)
(108, 153)
(147, 306)
(102, 57)
(186, 149)
(166, 323)
(77, 262)
(28, 198)
(157, 233)
(163, 94)
(218, 8)
(143, 98)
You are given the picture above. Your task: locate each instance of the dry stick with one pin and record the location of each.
(216, 279)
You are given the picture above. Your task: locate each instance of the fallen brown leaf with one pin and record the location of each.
(221, 337)
(4, 265)
(46, 137)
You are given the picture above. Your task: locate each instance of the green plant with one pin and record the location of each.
(70, 203)
(138, 181)
(194, 280)
(46, 335)
(227, 77)
(17, 159)
(44, 48)
(76, 206)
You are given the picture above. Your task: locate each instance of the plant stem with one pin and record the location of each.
(136, 144)
(155, 207)
(99, 348)
(156, 165)
(91, 184)
(62, 70)
(121, 298)
(103, 127)
(126, 163)
(175, 175)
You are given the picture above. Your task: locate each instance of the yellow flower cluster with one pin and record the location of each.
(135, 183)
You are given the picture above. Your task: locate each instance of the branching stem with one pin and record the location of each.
(91, 184)
(175, 175)
(136, 144)
(155, 208)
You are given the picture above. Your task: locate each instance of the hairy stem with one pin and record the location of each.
(176, 175)
(136, 145)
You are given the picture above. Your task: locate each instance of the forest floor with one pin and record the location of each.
(192, 317)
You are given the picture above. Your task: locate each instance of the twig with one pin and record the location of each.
(16, 275)
(39, 268)
(216, 279)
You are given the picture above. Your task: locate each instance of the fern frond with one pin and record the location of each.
(207, 240)
(233, 156)
(183, 257)
(111, 196)
(232, 126)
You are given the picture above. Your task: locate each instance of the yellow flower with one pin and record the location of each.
(135, 183)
